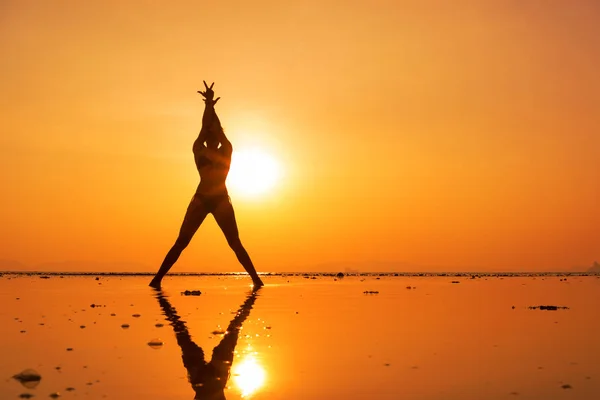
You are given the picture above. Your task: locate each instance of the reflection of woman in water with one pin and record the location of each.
(207, 379)
(212, 162)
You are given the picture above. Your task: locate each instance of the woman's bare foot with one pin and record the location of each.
(257, 283)
(155, 283)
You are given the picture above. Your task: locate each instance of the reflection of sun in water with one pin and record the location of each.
(248, 375)
(252, 172)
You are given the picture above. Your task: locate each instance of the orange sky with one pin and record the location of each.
(456, 135)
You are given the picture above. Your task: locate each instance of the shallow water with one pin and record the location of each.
(300, 338)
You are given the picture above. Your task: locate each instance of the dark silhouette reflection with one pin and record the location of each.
(208, 379)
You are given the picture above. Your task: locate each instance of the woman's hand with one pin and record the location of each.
(209, 94)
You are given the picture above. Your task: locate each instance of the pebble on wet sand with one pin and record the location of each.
(155, 343)
(191, 293)
(28, 378)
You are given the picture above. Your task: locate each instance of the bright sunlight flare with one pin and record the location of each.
(253, 172)
(248, 375)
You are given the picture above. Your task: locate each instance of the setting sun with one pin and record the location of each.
(253, 172)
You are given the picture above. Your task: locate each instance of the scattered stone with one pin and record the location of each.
(23, 331)
(455, 282)
(113, 315)
(159, 325)
(69, 349)
(28, 378)
(136, 315)
(340, 275)
(218, 332)
(549, 308)
(191, 293)
(125, 326)
(25, 396)
(371, 292)
(155, 344)
(55, 395)
(70, 389)
(386, 364)
(82, 326)
(97, 278)
(567, 386)
(44, 277)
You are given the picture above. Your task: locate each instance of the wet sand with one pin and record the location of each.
(301, 338)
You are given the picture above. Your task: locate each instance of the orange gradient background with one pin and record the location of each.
(414, 135)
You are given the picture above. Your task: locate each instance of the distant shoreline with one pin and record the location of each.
(310, 274)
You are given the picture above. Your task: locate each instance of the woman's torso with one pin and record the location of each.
(213, 167)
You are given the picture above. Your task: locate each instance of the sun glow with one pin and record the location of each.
(253, 172)
(248, 375)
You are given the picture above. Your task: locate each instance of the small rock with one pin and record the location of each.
(136, 315)
(28, 378)
(125, 326)
(25, 396)
(55, 395)
(567, 386)
(191, 293)
(159, 325)
(371, 292)
(70, 389)
(69, 349)
(340, 275)
(155, 343)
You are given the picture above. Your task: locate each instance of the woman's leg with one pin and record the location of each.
(195, 214)
(225, 217)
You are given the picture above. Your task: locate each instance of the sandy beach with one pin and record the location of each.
(300, 337)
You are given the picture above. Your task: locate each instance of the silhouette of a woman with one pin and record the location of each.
(208, 379)
(213, 162)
